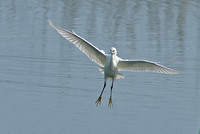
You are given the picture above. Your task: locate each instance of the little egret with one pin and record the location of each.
(110, 64)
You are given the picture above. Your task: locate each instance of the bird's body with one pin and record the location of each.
(110, 64)
(110, 68)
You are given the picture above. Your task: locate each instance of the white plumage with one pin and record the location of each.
(110, 64)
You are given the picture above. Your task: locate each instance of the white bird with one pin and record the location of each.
(110, 64)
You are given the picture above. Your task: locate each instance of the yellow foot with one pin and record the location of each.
(98, 102)
(110, 103)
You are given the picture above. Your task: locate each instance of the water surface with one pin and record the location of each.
(48, 86)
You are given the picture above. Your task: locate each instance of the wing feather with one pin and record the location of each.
(144, 66)
(93, 53)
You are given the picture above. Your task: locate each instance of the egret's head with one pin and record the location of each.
(113, 51)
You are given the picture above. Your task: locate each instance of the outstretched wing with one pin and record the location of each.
(144, 66)
(93, 53)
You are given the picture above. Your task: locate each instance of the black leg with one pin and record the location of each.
(103, 88)
(110, 100)
(111, 88)
(99, 99)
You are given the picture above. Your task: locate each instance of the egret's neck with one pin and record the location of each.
(112, 56)
(113, 60)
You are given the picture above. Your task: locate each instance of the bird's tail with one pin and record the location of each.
(119, 76)
(101, 69)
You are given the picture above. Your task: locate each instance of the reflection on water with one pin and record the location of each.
(48, 86)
